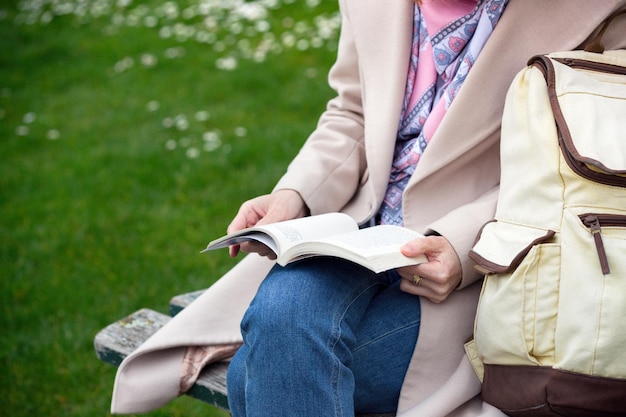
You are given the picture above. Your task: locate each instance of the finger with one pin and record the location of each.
(233, 250)
(408, 286)
(259, 248)
(417, 247)
(426, 288)
(243, 219)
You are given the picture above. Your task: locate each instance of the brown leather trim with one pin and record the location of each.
(578, 163)
(544, 391)
(486, 267)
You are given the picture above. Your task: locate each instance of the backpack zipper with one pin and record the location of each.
(595, 222)
(593, 66)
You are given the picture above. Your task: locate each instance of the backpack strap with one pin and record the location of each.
(595, 44)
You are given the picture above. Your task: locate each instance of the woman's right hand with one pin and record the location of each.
(279, 206)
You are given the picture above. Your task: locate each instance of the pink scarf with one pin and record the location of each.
(448, 35)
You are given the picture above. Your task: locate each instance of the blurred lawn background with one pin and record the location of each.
(130, 132)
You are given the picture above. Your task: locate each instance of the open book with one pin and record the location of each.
(333, 234)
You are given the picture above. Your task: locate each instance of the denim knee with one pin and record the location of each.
(277, 306)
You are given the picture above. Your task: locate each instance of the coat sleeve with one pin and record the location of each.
(478, 212)
(329, 167)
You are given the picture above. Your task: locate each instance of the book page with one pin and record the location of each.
(376, 248)
(291, 232)
(283, 235)
(373, 240)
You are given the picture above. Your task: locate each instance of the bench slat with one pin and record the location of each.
(116, 341)
(177, 303)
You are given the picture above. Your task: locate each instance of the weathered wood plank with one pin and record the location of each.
(116, 341)
(119, 339)
(179, 302)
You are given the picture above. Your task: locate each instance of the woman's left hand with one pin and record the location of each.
(437, 278)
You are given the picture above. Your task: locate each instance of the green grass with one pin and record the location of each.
(105, 201)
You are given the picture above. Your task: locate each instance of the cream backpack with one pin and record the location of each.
(550, 331)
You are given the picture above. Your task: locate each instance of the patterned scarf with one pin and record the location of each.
(448, 35)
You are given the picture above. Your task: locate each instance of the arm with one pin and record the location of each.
(328, 169)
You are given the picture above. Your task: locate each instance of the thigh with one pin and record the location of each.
(386, 339)
(324, 291)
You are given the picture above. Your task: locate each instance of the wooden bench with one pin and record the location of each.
(116, 341)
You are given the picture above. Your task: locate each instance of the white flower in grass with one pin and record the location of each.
(317, 42)
(167, 122)
(165, 32)
(219, 46)
(174, 52)
(236, 28)
(204, 8)
(192, 153)
(259, 56)
(270, 4)
(251, 11)
(210, 147)
(124, 64)
(183, 32)
(243, 45)
(240, 131)
(153, 106)
(301, 28)
(202, 115)
(169, 10)
(22, 130)
(189, 13)
(228, 63)
(205, 37)
(170, 144)
(210, 22)
(262, 26)
(29, 117)
(289, 39)
(211, 136)
(302, 45)
(150, 21)
(211, 141)
(53, 134)
(148, 60)
(132, 20)
(181, 122)
(46, 18)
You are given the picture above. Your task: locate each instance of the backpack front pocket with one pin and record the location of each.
(591, 332)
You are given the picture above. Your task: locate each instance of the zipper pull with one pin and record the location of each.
(593, 223)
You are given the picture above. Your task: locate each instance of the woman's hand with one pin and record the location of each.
(437, 278)
(270, 208)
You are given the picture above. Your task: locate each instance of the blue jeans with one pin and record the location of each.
(323, 337)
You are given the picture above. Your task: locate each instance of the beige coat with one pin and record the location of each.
(344, 166)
